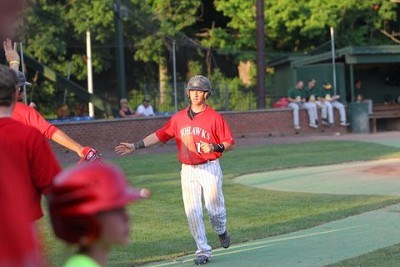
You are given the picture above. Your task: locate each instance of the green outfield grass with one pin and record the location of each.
(387, 257)
(160, 229)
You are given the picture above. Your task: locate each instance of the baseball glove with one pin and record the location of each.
(90, 155)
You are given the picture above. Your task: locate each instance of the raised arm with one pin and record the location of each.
(126, 148)
(11, 53)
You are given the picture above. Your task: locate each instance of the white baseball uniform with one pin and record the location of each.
(201, 175)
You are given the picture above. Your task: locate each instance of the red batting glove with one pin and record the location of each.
(90, 155)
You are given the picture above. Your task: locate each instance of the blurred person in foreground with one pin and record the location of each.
(11, 12)
(27, 169)
(87, 208)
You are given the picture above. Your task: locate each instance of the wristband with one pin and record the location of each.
(139, 145)
(219, 148)
(14, 62)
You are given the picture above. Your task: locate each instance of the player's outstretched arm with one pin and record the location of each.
(63, 139)
(125, 148)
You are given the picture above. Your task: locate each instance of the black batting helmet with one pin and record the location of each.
(200, 83)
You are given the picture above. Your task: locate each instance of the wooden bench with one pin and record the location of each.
(384, 111)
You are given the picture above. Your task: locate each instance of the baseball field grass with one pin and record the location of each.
(159, 227)
(387, 257)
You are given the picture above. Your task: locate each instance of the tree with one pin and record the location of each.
(301, 25)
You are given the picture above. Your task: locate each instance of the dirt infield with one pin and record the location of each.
(388, 169)
(370, 177)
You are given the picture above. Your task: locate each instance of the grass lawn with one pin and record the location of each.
(387, 257)
(159, 227)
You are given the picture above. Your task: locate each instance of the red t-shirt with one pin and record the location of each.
(208, 126)
(31, 117)
(27, 162)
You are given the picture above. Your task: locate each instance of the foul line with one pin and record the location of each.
(263, 244)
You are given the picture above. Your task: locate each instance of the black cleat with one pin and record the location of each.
(201, 260)
(225, 239)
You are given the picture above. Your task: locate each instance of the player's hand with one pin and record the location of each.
(206, 147)
(124, 148)
(89, 154)
(10, 50)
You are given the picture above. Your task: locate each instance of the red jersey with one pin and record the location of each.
(208, 126)
(27, 162)
(31, 117)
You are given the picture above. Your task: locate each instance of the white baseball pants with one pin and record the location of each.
(342, 112)
(326, 110)
(311, 110)
(197, 181)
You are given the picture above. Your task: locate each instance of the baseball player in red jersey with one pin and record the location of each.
(27, 169)
(30, 116)
(201, 135)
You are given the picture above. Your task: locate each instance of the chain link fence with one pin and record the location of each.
(164, 101)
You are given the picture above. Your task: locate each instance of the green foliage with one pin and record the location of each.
(167, 18)
(230, 93)
(195, 68)
(301, 25)
(56, 31)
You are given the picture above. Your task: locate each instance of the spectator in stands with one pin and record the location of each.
(63, 111)
(296, 97)
(145, 109)
(313, 95)
(125, 110)
(360, 96)
(81, 109)
(328, 97)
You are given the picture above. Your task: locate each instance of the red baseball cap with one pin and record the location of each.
(88, 189)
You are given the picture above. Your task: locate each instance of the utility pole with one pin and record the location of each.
(333, 59)
(174, 68)
(89, 70)
(119, 46)
(260, 55)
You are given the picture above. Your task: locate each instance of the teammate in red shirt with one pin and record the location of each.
(30, 116)
(27, 169)
(201, 136)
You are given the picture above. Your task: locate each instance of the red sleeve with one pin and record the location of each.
(167, 132)
(223, 131)
(31, 117)
(43, 163)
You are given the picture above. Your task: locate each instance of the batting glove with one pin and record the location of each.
(90, 155)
